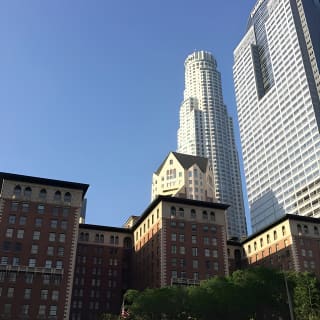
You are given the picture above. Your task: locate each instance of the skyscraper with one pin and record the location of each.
(277, 85)
(206, 130)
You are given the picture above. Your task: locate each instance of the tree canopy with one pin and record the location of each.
(255, 294)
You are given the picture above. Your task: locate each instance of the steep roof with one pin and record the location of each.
(187, 160)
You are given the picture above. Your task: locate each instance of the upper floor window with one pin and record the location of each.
(57, 196)
(205, 215)
(173, 212)
(305, 229)
(268, 238)
(275, 236)
(212, 216)
(43, 194)
(283, 230)
(193, 214)
(67, 197)
(17, 191)
(316, 230)
(27, 192)
(181, 212)
(299, 229)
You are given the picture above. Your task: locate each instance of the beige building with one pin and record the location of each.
(291, 243)
(184, 176)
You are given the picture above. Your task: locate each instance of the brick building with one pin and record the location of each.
(39, 222)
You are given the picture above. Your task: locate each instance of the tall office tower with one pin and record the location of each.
(206, 130)
(277, 85)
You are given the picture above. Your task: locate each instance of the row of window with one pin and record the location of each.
(47, 279)
(193, 215)
(95, 282)
(182, 250)
(36, 235)
(27, 192)
(44, 294)
(194, 227)
(181, 238)
(25, 208)
(97, 260)
(42, 311)
(32, 262)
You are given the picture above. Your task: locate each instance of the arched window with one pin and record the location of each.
(67, 197)
(316, 230)
(17, 191)
(86, 236)
(127, 243)
(101, 238)
(27, 192)
(283, 230)
(275, 236)
(57, 196)
(173, 212)
(305, 229)
(249, 248)
(299, 229)
(261, 242)
(43, 194)
(111, 239)
(181, 212)
(268, 239)
(81, 236)
(193, 214)
(205, 215)
(97, 237)
(116, 240)
(255, 245)
(212, 216)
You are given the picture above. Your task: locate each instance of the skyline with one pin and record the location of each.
(84, 99)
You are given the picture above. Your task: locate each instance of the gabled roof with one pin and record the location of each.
(187, 160)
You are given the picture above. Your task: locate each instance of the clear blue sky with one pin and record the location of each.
(90, 90)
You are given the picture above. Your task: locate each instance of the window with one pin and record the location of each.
(64, 224)
(182, 250)
(195, 264)
(193, 239)
(173, 249)
(275, 236)
(52, 236)
(55, 295)
(27, 192)
(25, 207)
(65, 212)
(43, 194)
(27, 293)
(194, 252)
(54, 224)
(22, 220)
(193, 214)
(17, 191)
(305, 229)
(15, 261)
(36, 235)
(216, 266)
(181, 212)
(32, 262)
(41, 208)
(10, 292)
(9, 233)
(316, 230)
(215, 253)
(38, 222)
(14, 206)
(299, 229)
(57, 196)
(7, 309)
(12, 219)
(25, 309)
(20, 234)
(67, 197)
(59, 264)
(204, 215)
(48, 264)
(206, 252)
(173, 212)
(268, 239)
(193, 227)
(44, 294)
(60, 251)
(212, 216)
(50, 251)
(29, 278)
(196, 275)
(283, 230)
(55, 211)
(261, 242)
(181, 237)
(214, 241)
(173, 237)
(206, 240)
(42, 310)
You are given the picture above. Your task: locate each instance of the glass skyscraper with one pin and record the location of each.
(277, 85)
(206, 130)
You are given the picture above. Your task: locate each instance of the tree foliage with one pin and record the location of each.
(255, 294)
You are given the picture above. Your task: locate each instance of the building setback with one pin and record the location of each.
(39, 222)
(277, 86)
(206, 130)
